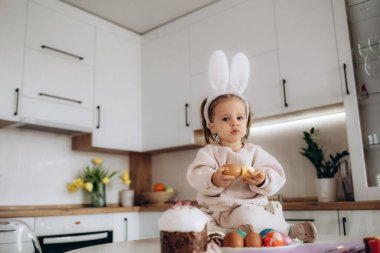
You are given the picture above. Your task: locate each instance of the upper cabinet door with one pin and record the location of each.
(117, 122)
(12, 30)
(51, 32)
(248, 27)
(264, 91)
(308, 54)
(166, 118)
(58, 81)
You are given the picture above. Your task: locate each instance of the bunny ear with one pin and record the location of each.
(218, 71)
(239, 73)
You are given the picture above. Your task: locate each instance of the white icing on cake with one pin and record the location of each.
(183, 219)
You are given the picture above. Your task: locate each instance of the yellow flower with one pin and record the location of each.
(106, 180)
(97, 161)
(78, 182)
(91, 176)
(88, 186)
(72, 187)
(125, 178)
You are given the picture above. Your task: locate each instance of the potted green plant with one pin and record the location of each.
(325, 168)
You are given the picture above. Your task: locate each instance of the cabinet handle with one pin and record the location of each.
(98, 125)
(61, 98)
(345, 78)
(186, 112)
(344, 220)
(17, 91)
(62, 52)
(283, 87)
(126, 228)
(311, 220)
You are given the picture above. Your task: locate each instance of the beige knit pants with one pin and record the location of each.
(251, 214)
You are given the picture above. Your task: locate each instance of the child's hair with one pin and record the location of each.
(207, 132)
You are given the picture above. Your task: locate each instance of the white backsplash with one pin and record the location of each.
(35, 168)
(283, 141)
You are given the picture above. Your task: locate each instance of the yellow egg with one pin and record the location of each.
(232, 170)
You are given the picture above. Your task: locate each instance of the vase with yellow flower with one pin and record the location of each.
(126, 195)
(94, 181)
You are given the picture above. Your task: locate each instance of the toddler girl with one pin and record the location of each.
(236, 202)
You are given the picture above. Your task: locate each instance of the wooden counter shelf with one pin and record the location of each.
(60, 210)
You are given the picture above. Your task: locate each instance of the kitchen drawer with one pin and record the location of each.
(62, 35)
(56, 225)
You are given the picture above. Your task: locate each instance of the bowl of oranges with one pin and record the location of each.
(160, 194)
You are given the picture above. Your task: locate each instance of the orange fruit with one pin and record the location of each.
(159, 187)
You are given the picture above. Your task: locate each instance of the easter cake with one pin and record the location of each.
(183, 229)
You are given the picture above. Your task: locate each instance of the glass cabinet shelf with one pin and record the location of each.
(370, 99)
(372, 146)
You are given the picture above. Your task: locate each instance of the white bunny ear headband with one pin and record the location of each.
(223, 81)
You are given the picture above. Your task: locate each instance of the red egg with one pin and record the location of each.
(273, 239)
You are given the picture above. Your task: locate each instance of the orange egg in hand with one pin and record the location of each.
(232, 170)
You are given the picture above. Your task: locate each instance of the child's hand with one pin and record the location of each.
(220, 180)
(255, 177)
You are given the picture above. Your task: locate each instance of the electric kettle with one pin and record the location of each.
(16, 236)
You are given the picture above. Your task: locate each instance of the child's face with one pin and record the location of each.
(229, 121)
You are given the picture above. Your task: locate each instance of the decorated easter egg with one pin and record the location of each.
(273, 239)
(264, 232)
(241, 233)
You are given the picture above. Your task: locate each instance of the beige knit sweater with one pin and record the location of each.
(212, 157)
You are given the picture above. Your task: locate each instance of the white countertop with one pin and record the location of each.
(325, 243)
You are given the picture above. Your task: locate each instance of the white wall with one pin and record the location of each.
(283, 141)
(35, 168)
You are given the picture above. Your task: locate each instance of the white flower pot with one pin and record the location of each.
(127, 197)
(326, 189)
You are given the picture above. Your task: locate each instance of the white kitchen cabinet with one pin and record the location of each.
(308, 56)
(12, 30)
(149, 225)
(58, 70)
(264, 92)
(359, 223)
(126, 226)
(165, 95)
(117, 118)
(247, 27)
(363, 23)
(325, 221)
(52, 32)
